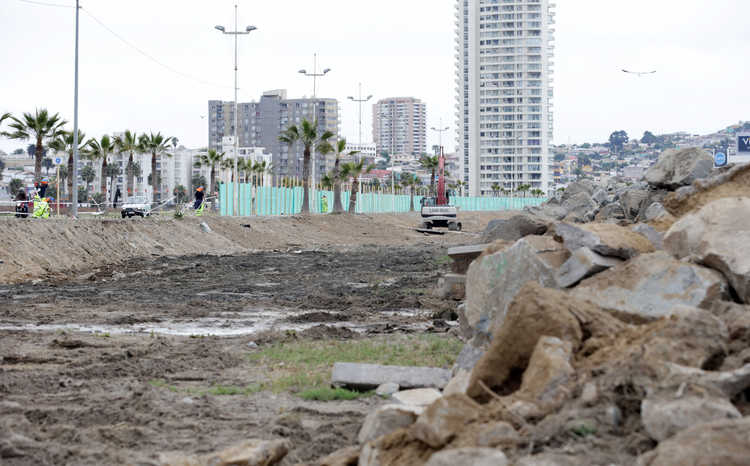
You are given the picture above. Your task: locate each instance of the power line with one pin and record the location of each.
(58, 5)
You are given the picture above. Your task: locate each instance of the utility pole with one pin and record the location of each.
(360, 101)
(74, 194)
(315, 75)
(235, 173)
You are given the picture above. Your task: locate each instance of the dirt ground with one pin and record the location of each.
(100, 365)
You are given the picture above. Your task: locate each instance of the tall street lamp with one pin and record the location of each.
(440, 131)
(74, 194)
(235, 33)
(315, 75)
(360, 101)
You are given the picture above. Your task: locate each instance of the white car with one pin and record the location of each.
(136, 206)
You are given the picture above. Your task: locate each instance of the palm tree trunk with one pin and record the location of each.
(104, 178)
(306, 182)
(411, 199)
(337, 206)
(38, 154)
(353, 197)
(129, 170)
(70, 176)
(154, 177)
(213, 178)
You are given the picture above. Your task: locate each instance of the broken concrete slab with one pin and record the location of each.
(370, 376)
(649, 286)
(603, 238)
(583, 263)
(463, 256)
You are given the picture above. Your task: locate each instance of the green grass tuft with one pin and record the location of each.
(331, 394)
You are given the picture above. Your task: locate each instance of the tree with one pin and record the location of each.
(617, 140)
(354, 170)
(62, 177)
(150, 179)
(156, 144)
(101, 149)
(586, 145)
(559, 157)
(180, 193)
(411, 181)
(496, 188)
(2, 168)
(47, 163)
(228, 164)
(111, 171)
(14, 186)
(64, 143)
(430, 163)
(210, 159)
(88, 174)
(649, 138)
(335, 175)
(41, 127)
(307, 135)
(128, 143)
(31, 150)
(524, 188)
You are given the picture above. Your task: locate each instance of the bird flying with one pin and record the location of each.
(639, 73)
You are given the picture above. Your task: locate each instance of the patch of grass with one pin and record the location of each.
(305, 366)
(158, 383)
(583, 430)
(442, 260)
(331, 394)
(221, 390)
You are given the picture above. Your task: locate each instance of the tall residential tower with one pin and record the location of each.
(504, 94)
(400, 126)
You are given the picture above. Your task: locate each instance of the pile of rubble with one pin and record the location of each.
(610, 326)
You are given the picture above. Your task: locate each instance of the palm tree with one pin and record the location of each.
(335, 178)
(307, 135)
(524, 188)
(111, 171)
(228, 164)
(210, 159)
(354, 170)
(157, 145)
(495, 188)
(41, 127)
(102, 149)
(411, 181)
(430, 163)
(64, 143)
(47, 163)
(128, 142)
(63, 175)
(88, 174)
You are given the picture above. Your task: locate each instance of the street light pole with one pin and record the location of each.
(440, 131)
(315, 75)
(360, 101)
(74, 194)
(235, 173)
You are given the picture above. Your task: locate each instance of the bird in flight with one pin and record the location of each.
(639, 73)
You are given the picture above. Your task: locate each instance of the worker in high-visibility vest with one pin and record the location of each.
(41, 207)
(200, 203)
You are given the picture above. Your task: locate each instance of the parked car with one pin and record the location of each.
(136, 206)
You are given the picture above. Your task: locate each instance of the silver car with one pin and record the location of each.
(136, 206)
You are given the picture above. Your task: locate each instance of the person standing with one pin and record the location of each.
(117, 198)
(199, 204)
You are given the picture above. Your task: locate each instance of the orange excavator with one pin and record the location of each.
(437, 211)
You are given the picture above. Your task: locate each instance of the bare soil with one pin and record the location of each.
(101, 365)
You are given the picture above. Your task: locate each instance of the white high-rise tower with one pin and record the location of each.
(504, 94)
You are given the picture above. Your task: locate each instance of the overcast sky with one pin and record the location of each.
(393, 47)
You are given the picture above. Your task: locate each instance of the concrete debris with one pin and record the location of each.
(370, 376)
(387, 389)
(417, 397)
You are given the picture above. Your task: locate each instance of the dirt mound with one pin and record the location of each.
(734, 182)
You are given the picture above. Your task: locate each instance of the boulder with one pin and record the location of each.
(472, 456)
(497, 434)
(582, 186)
(371, 376)
(654, 212)
(603, 238)
(249, 453)
(549, 211)
(445, 418)
(548, 460)
(600, 196)
(493, 281)
(663, 418)
(387, 389)
(459, 384)
(348, 456)
(734, 182)
(656, 238)
(727, 383)
(549, 372)
(677, 168)
(583, 263)
(580, 208)
(718, 443)
(650, 285)
(533, 313)
(514, 228)
(717, 236)
(417, 397)
(612, 212)
(632, 201)
(386, 419)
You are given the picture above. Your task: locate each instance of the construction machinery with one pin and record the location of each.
(437, 211)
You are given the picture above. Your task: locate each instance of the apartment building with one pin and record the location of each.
(504, 93)
(260, 123)
(400, 126)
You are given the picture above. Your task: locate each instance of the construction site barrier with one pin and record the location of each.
(270, 201)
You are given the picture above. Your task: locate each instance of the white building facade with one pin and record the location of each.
(504, 95)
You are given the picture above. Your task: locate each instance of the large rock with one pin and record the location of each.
(603, 238)
(580, 208)
(493, 281)
(468, 456)
(633, 201)
(348, 456)
(582, 186)
(654, 212)
(663, 418)
(443, 419)
(583, 263)
(549, 211)
(656, 238)
(548, 460)
(717, 236)
(498, 434)
(719, 443)
(250, 453)
(612, 212)
(536, 312)
(728, 383)
(732, 182)
(417, 397)
(386, 419)
(514, 228)
(651, 285)
(677, 168)
(371, 376)
(549, 372)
